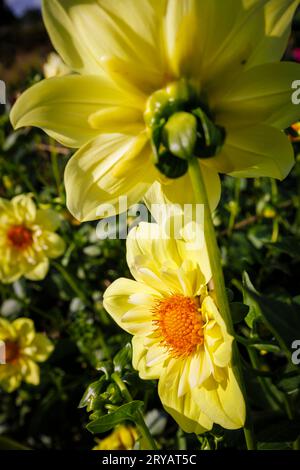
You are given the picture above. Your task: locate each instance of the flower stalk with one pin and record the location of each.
(218, 280)
(151, 445)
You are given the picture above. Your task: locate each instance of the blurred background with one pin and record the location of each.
(258, 225)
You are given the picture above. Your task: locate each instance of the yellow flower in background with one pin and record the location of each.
(23, 349)
(148, 68)
(27, 239)
(122, 438)
(55, 67)
(180, 337)
(294, 134)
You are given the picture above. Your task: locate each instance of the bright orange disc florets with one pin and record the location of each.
(179, 323)
(20, 237)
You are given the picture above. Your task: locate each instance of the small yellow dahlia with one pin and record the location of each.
(156, 80)
(180, 337)
(27, 239)
(23, 349)
(55, 67)
(122, 438)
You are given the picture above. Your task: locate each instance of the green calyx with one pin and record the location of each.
(180, 129)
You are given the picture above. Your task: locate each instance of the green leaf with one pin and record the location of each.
(254, 313)
(91, 393)
(283, 430)
(289, 246)
(238, 311)
(129, 412)
(122, 358)
(9, 444)
(282, 319)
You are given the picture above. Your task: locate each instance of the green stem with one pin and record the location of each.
(181, 440)
(219, 283)
(55, 167)
(72, 283)
(140, 422)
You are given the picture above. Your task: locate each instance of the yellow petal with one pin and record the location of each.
(277, 29)
(255, 151)
(31, 372)
(84, 32)
(116, 118)
(40, 348)
(47, 219)
(25, 331)
(7, 331)
(62, 106)
(139, 353)
(261, 94)
(182, 32)
(223, 403)
(119, 299)
(39, 272)
(24, 209)
(140, 81)
(11, 381)
(54, 245)
(105, 169)
(180, 191)
(68, 44)
(183, 409)
(149, 242)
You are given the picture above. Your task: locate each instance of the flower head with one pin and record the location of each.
(157, 79)
(180, 337)
(27, 239)
(55, 67)
(122, 438)
(23, 349)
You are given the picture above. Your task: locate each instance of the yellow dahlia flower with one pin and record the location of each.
(27, 239)
(23, 349)
(180, 337)
(215, 64)
(55, 67)
(122, 438)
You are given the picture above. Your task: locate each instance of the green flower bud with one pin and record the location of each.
(180, 128)
(180, 135)
(210, 137)
(171, 166)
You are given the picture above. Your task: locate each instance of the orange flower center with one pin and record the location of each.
(20, 237)
(11, 351)
(179, 323)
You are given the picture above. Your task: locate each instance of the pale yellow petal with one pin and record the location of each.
(62, 106)
(120, 298)
(84, 32)
(25, 331)
(105, 169)
(255, 151)
(261, 94)
(139, 352)
(39, 272)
